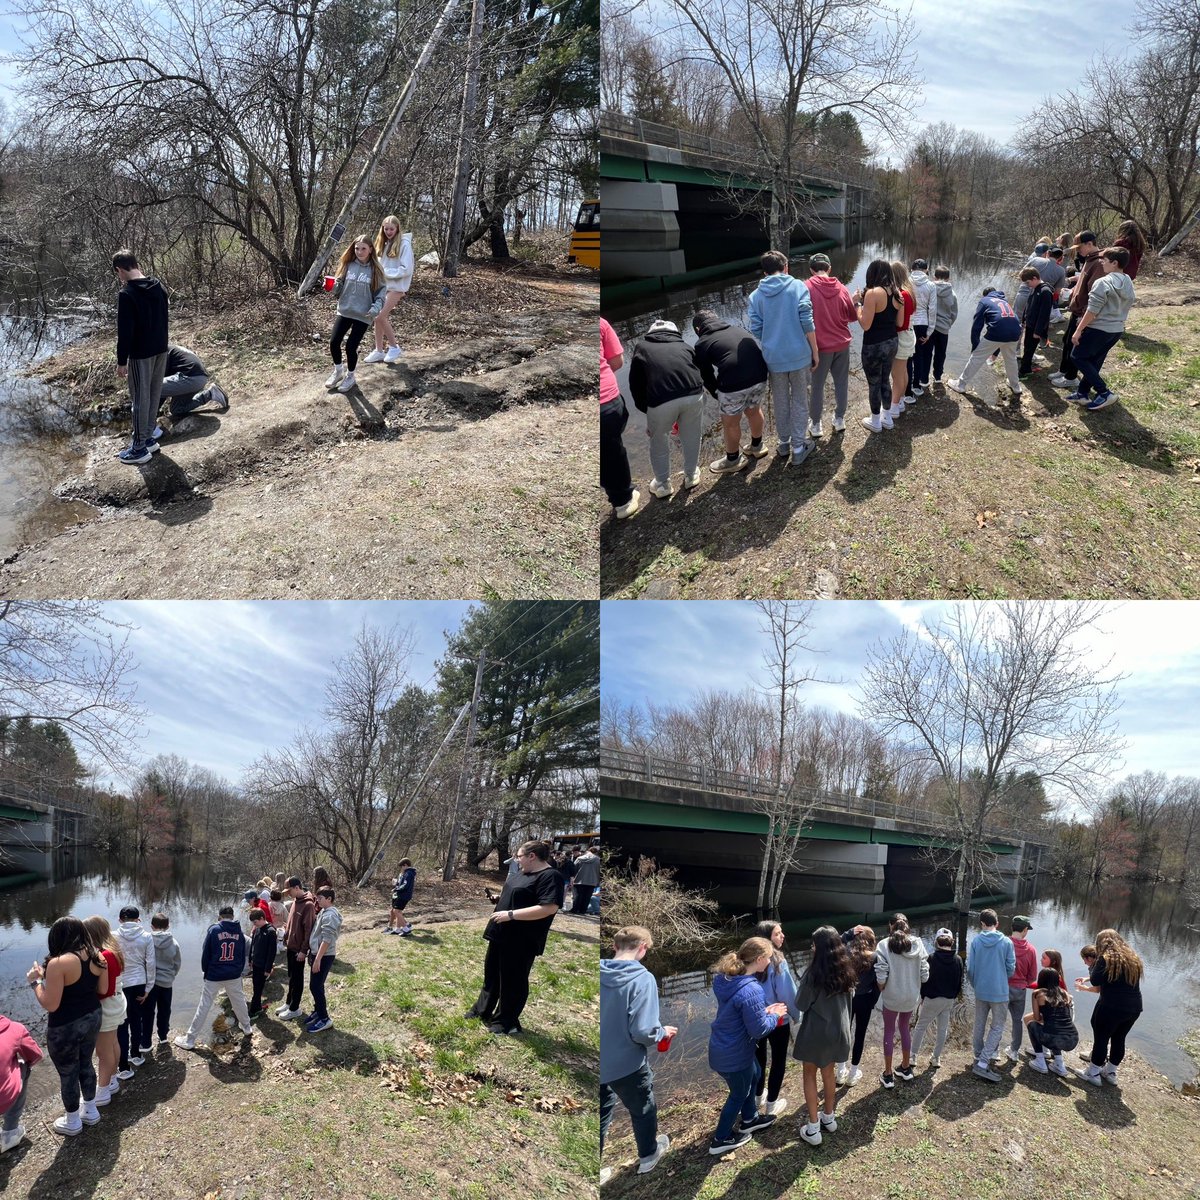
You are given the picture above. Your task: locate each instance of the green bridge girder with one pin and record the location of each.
(719, 820)
(619, 166)
(9, 813)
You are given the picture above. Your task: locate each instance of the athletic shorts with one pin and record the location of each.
(906, 344)
(400, 902)
(733, 404)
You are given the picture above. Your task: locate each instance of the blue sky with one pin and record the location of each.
(224, 681)
(668, 650)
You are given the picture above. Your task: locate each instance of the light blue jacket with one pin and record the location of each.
(780, 987)
(780, 316)
(629, 1023)
(991, 959)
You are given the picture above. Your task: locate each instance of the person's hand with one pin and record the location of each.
(670, 1030)
(143, 998)
(815, 361)
(777, 1010)
(122, 372)
(1076, 337)
(316, 963)
(300, 956)
(924, 340)
(1081, 982)
(34, 973)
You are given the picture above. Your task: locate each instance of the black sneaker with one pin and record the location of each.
(758, 1124)
(724, 1145)
(904, 1072)
(888, 1081)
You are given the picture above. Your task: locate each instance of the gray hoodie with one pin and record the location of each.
(325, 929)
(947, 306)
(167, 958)
(903, 973)
(926, 298)
(354, 294)
(1111, 298)
(137, 947)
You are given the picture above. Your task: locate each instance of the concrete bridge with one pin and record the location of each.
(709, 825)
(33, 820)
(656, 181)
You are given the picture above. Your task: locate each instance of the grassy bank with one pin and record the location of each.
(965, 498)
(944, 1136)
(403, 1096)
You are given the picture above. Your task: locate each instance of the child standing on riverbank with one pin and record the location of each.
(141, 351)
(901, 966)
(168, 958)
(991, 959)
(1117, 975)
(939, 994)
(743, 1017)
(396, 258)
(262, 958)
(778, 988)
(947, 314)
(402, 894)
(860, 944)
(360, 291)
(629, 1026)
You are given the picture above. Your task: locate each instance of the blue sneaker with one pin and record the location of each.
(1077, 398)
(1103, 400)
(319, 1026)
(134, 456)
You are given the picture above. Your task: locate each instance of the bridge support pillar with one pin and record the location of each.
(639, 229)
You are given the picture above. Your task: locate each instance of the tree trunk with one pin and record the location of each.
(466, 144)
(962, 898)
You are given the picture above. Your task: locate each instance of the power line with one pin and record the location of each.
(543, 628)
(565, 638)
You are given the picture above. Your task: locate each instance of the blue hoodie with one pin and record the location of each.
(780, 987)
(991, 959)
(780, 316)
(628, 1017)
(224, 953)
(740, 1021)
(995, 312)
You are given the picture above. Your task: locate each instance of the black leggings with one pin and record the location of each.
(1110, 1026)
(861, 1008)
(778, 1038)
(342, 326)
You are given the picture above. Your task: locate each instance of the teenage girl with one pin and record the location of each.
(901, 966)
(879, 307)
(860, 944)
(112, 1008)
(1132, 239)
(1050, 1023)
(1117, 976)
(1053, 958)
(396, 258)
(906, 339)
(359, 290)
(779, 987)
(823, 998)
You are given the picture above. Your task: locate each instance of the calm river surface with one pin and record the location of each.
(1155, 921)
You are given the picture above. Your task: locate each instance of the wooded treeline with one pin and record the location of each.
(340, 788)
(220, 138)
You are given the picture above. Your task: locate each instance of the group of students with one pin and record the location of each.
(761, 1007)
(106, 993)
(797, 335)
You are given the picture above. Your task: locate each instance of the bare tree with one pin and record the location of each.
(988, 693)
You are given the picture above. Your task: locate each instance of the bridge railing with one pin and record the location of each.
(633, 764)
(617, 124)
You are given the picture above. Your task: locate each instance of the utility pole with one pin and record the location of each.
(452, 853)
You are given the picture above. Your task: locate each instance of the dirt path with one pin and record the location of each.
(464, 470)
(963, 499)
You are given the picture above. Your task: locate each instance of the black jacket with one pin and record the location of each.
(262, 947)
(141, 320)
(945, 974)
(663, 368)
(729, 358)
(1037, 311)
(182, 361)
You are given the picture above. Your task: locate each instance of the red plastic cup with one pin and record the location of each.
(664, 1044)
(329, 282)
(781, 1020)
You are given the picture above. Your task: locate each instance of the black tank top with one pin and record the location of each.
(883, 326)
(78, 998)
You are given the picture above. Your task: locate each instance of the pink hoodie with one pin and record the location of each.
(833, 310)
(14, 1039)
(1025, 976)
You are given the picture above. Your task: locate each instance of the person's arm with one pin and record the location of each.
(206, 953)
(754, 317)
(29, 1050)
(617, 361)
(338, 284)
(867, 310)
(637, 382)
(48, 983)
(125, 319)
(924, 964)
(644, 1027)
(977, 324)
(377, 302)
(407, 259)
(787, 990)
(756, 1017)
(882, 969)
(804, 308)
(177, 957)
(151, 966)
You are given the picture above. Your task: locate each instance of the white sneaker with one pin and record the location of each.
(956, 385)
(1091, 1075)
(855, 1077)
(811, 1134)
(647, 1164)
(828, 1123)
(146, 1050)
(775, 1107)
(103, 1095)
(1012, 1055)
(125, 1074)
(664, 491)
(114, 1086)
(872, 423)
(897, 408)
(137, 1060)
(839, 425)
(185, 1043)
(815, 430)
(282, 1010)
(10, 1139)
(917, 390)
(89, 1114)
(841, 1075)
(690, 481)
(934, 1062)
(393, 354)
(347, 384)
(375, 356)
(1038, 1063)
(605, 1174)
(1109, 1075)
(1058, 1066)
(339, 373)
(885, 419)
(69, 1124)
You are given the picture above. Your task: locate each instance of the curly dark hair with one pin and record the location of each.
(832, 970)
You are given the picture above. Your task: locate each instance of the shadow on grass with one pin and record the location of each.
(338, 1050)
(569, 1052)
(571, 936)
(1104, 1108)
(1144, 345)
(342, 967)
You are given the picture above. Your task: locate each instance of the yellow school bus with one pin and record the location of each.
(585, 238)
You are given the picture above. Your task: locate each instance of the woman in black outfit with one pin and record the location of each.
(860, 941)
(1117, 976)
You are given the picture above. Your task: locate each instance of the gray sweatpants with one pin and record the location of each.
(996, 1010)
(789, 394)
(689, 412)
(237, 1001)
(181, 389)
(933, 1009)
(982, 352)
(837, 364)
(145, 394)
(1016, 1012)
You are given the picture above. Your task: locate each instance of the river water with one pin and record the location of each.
(1155, 921)
(976, 260)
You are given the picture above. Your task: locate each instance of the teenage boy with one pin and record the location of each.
(141, 351)
(924, 321)
(990, 961)
(262, 958)
(188, 384)
(1022, 980)
(221, 962)
(295, 938)
(781, 317)
(587, 879)
(402, 894)
(1101, 326)
(629, 1026)
(833, 314)
(322, 945)
(168, 958)
(137, 981)
(1000, 330)
(1037, 317)
(947, 314)
(734, 371)
(1090, 269)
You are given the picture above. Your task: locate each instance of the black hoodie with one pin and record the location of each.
(945, 975)
(262, 946)
(729, 358)
(141, 320)
(663, 368)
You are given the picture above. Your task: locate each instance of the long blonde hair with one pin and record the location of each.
(102, 937)
(739, 961)
(387, 247)
(903, 279)
(1121, 962)
(348, 256)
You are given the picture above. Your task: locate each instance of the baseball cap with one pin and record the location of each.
(819, 262)
(943, 932)
(1041, 247)
(656, 325)
(1022, 923)
(250, 895)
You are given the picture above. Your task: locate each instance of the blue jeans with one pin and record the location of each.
(12, 1118)
(743, 1085)
(1089, 356)
(636, 1092)
(316, 985)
